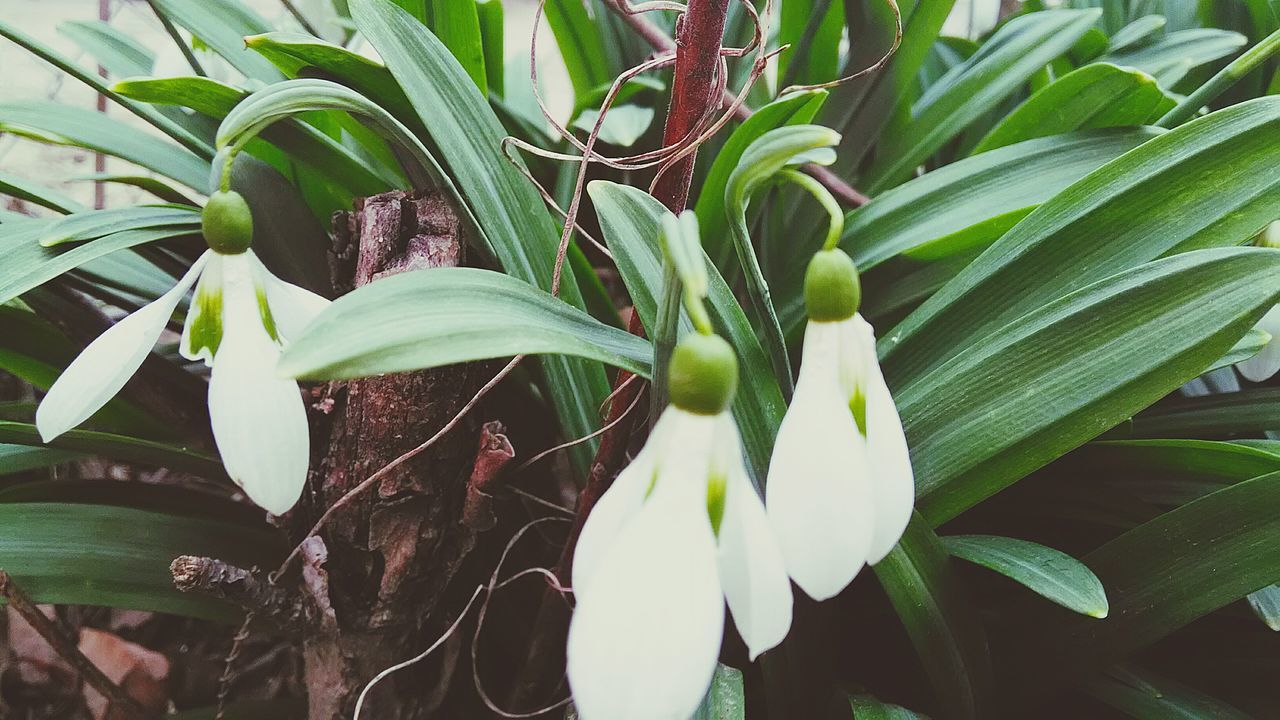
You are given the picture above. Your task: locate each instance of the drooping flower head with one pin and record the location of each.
(239, 319)
(681, 531)
(840, 489)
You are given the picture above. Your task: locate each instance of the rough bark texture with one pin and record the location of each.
(384, 562)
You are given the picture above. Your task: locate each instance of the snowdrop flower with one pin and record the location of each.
(239, 318)
(840, 488)
(680, 531)
(1266, 363)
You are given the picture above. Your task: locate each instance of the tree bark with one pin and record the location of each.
(383, 563)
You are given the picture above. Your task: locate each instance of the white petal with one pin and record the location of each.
(752, 573)
(104, 367)
(643, 643)
(259, 421)
(818, 497)
(1262, 366)
(613, 510)
(292, 307)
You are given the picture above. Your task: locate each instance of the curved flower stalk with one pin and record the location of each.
(240, 317)
(841, 489)
(681, 531)
(1266, 363)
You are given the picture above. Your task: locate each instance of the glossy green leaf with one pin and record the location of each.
(68, 125)
(509, 209)
(81, 554)
(860, 109)
(1206, 462)
(161, 189)
(944, 629)
(1139, 32)
(441, 316)
(1169, 59)
(1145, 696)
(813, 29)
(1048, 572)
(118, 447)
(630, 220)
(1247, 412)
(791, 109)
(1095, 96)
(24, 189)
(1161, 576)
(581, 45)
(1066, 372)
(1266, 605)
(865, 707)
(98, 223)
(492, 37)
(27, 265)
(1207, 183)
(223, 26)
(457, 24)
(21, 458)
(116, 51)
(1001, 66)
(173, 127)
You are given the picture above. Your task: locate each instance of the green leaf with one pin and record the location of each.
(1207, 183)
(1139, 32)
(1095, 96)
(1144, 695)
(118, 447)
(24, 189)
(1160, 576)
(1208, 463)
(1066, 372)
(223, 26)
(865, 707)
(1172, 57)
(92, 224)
(630, 220)
(792, 109)
(813, 29)
(726, 699)
(27, 265)
(457, 24)
(861, 108)
(440, 316)
(492, 37)
(518, 226)
(173, 127)
(1247, 412)
(623, 125)
(21, 458)
(1003, 63)
(67, 125)
(80, 554)
(1048, 572)
(116, 51)
(303, 142)
(155, 186)
(1251, 344)
(943, 628)
(581, 45)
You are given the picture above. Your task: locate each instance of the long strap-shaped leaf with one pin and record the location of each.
(943, 627)
(441, 316)
(1209, 183)
(84, 554)
(1065, 373)
(1160, 576)
(518, 226)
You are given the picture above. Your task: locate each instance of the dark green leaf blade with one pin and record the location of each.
(1050, 573)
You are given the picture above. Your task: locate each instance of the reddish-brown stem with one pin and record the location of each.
(700, 31)
(654, 35)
